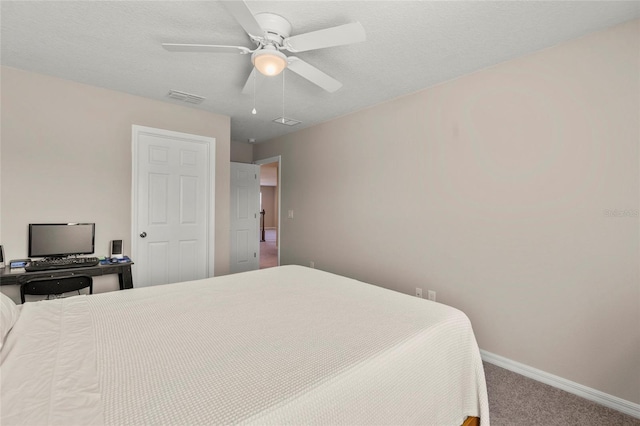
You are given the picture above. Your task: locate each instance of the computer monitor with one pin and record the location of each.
(61, 239)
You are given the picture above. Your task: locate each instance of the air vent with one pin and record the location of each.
(287, 121)
(185, 97)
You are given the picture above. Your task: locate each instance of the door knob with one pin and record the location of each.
(144, 234)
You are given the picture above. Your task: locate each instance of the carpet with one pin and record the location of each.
(517, 400)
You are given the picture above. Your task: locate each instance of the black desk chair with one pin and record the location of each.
(59, 285)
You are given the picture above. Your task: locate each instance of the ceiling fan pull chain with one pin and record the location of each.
(283, 73)
(253, 111)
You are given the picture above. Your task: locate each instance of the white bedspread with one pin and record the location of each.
(286, 345)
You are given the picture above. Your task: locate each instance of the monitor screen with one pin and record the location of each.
(61, 239)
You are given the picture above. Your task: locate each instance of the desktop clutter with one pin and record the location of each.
(63, 250)
(114, 260)
(29, 265)
(60, 246)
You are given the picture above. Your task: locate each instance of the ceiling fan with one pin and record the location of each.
(271, 34)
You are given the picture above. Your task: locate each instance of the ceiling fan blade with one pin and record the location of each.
(329, 37)
(245, 18)
(313, 74)
(211, 48)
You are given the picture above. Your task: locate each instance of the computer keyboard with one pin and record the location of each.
(65, 263)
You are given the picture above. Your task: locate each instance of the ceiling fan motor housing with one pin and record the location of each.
(276, 29)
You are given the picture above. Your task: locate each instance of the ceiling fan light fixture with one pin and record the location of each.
(269, 61)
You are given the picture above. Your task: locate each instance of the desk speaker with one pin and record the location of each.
(117, 249)
(1, 257)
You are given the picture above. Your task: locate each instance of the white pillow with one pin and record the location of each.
(9, 314)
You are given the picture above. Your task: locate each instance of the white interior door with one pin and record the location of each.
(245, 217)
(172, 190)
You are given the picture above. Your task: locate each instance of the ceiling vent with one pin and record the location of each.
(185, 97)
(287, 121)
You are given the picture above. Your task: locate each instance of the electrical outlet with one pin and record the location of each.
(312, 264)
(290, 214)
(418, 292)
(431, 295)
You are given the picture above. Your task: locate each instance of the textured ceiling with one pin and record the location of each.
(410, 45)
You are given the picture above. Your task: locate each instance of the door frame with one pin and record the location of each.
(276, 159)
(210, 142)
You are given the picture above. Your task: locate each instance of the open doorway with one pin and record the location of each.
(269, 212)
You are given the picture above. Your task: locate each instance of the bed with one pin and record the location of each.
(284, 345)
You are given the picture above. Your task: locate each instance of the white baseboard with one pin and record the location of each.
(591, 394)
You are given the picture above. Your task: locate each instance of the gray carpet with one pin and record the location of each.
(516, 400)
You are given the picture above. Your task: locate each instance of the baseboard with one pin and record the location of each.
(591, 394)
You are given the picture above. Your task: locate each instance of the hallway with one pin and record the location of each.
(268, 249)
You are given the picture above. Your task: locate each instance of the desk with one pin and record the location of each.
(16, 277)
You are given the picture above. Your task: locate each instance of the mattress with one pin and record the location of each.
(285, 345)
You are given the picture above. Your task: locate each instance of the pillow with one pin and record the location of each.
(9, 314)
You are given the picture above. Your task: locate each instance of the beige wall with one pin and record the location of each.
(241, 152)
(59, 134)
(513, 192)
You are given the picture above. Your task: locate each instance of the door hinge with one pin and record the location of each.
(254, 254)
(255, 176)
